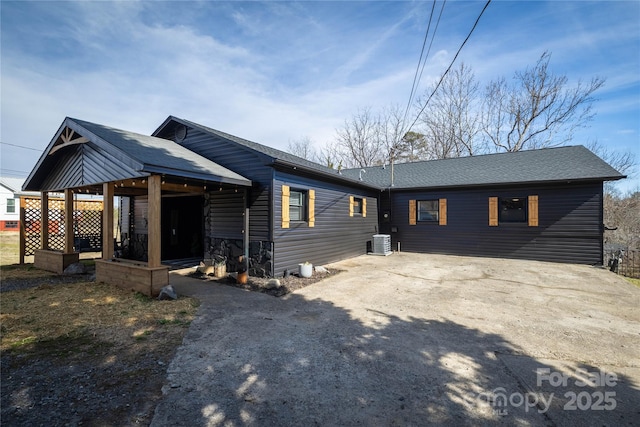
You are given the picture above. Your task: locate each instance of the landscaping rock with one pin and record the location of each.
(75, 268)
(206, 269)
(320, 269)
(168, 293)
(272, 284)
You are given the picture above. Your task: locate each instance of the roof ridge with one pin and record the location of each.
(473, 156)
(262, 148)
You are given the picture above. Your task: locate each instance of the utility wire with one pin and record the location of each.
(14, 171)
(435, 30)
(20, 146)
(450, 65)
(414, 86)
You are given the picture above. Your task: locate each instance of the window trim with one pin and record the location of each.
(504, 201)
(363, 206)
(530, 204)
(304, 211)
(308, 206)
(441, 207)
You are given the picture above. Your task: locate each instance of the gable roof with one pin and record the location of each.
(561, 164)
(84, 153)
(271, 155)
(12, 184)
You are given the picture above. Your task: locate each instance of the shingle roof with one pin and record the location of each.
(129, 155)
(159, 155)
(13, 184)
(276, 156)
(561, 164)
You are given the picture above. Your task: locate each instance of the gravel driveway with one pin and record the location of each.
(413, 339)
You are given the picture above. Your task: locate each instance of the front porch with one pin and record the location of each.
(84, 158)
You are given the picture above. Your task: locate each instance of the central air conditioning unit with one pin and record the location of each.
(381, 245)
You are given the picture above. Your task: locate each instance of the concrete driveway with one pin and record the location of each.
(413, 339)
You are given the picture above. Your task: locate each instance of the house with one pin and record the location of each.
(298, 210)
(10, 192)
(196, 192)
(540, 204)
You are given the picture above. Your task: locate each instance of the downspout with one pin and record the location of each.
(391, 218)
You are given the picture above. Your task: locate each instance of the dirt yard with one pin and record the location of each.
(412, 340)
(401, 340)
(82, 353)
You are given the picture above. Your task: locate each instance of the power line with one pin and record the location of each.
(432, 39)
(450, 65)
(20, 146)
(415, 76)
(13, 171)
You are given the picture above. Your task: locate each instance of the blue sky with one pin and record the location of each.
(280, 71)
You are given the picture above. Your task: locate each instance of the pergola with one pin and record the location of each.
(89, 158)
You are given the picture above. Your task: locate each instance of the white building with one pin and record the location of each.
(10, 192)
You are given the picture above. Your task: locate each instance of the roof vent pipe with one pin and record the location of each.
(360, 175)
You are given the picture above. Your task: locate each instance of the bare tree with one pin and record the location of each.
(538, 110)
(358, 140)
(451, 119)
(622, 219)
(624, 162)
(369, 139)
(303, 147)
(330, 156)
(389, 132)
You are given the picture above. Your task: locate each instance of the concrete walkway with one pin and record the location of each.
(412, 340)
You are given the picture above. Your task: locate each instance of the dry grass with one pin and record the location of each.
(634, 281)
(9, 247)
(27, 271)
(88, 349)
(104, 311)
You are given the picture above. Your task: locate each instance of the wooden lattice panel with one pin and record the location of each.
(87, 225)
(87, 229)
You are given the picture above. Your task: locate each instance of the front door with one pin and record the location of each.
(182, 227)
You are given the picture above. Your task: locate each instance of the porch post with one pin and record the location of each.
(68, 221)
(154, 240)
(246, 226)
(107, 220)
(23, 230)
(44, 220)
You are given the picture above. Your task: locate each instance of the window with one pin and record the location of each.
(357, 205)
(11, 224)
(513, 209)
(11, 205)
(297, 205)
(428, 210)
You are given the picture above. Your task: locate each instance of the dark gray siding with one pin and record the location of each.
(223, 213)
(335, 236)
(140, 215)
(245, 162)
(85, 164)
(570, 224)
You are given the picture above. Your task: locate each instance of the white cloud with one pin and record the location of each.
(125, 64)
